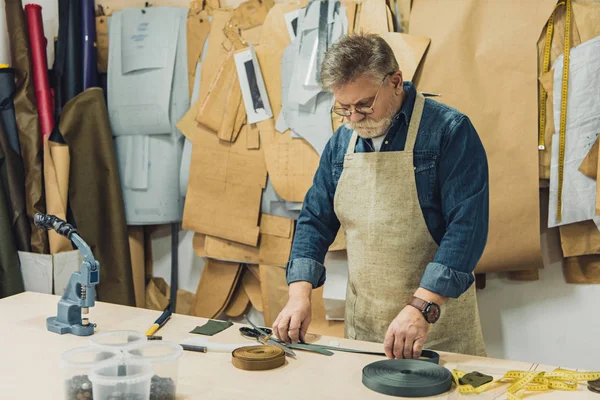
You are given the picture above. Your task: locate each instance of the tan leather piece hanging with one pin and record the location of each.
(216, 287)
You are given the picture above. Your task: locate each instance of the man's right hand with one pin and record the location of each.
(292, 322)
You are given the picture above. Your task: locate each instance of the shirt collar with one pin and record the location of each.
(405, 111)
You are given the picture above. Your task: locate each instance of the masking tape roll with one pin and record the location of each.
(258, 358)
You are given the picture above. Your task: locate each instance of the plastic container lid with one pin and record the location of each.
(156, 351)
(89, 356)
(124, 371)
(119, 340)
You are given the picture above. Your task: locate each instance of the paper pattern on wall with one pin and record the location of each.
(409, 51)
(141, 65)
(149, 150)
(198, 28)
(582, 129)
(275, 244)
(506, 123)
(582, 270)
(372, 17)
(251, 13)
(226, 182)
(217, 52)
(306, 107)
(589, 165)
(252, 84)
(291, 163)
(216, 287)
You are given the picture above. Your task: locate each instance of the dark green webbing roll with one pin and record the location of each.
(407, 378)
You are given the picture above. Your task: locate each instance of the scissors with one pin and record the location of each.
(264, 337)
(257, 333)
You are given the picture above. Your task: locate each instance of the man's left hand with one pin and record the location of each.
(406, 335)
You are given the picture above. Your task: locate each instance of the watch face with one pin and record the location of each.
(432, 313)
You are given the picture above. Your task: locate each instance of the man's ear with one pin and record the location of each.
(396, 79)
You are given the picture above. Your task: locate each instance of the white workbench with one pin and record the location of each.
(30, 354)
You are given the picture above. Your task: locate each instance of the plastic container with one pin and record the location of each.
(76, 365)
(118, 340)
(122, 379)
(164, 358)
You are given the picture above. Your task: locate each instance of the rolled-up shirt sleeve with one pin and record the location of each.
(316, 228)
(463, 182)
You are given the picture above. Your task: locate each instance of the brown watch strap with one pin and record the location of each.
(418, 303)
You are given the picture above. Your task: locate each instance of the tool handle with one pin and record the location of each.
(47, 221)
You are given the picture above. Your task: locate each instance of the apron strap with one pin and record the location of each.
(352, 144)
(415, 121)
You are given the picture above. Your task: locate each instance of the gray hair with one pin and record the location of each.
(354, 56)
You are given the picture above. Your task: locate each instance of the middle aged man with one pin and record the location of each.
(407, 180)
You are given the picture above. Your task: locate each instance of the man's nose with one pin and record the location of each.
(356, 117)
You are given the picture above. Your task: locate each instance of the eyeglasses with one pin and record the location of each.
(345, 112)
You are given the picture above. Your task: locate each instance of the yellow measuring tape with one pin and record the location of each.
(564, 95)
(563, 109)
(546, 68)
(525, 381)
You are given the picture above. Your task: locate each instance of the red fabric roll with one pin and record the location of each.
(40, 68)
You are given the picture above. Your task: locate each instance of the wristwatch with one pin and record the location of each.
(430, 310)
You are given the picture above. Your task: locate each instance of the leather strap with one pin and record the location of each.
(258, 358)
(426, 355)
(407, 378)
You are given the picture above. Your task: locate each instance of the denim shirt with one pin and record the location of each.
(451, 172)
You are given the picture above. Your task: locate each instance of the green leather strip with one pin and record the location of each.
(212, 327)
(407, 378)
(310, 347)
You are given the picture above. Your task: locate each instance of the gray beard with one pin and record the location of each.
(373, 129)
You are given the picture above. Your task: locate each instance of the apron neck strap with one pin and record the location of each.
(415, 121)
(352, 144)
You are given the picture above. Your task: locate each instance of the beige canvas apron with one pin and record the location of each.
(389, 246)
